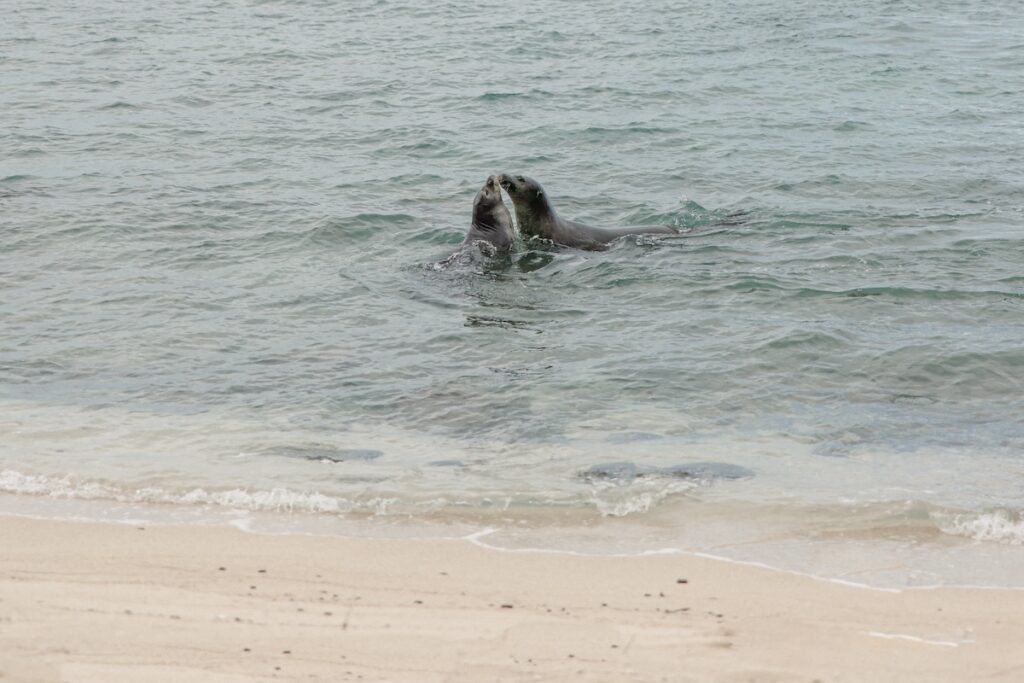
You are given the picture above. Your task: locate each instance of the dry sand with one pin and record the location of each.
(110, 603)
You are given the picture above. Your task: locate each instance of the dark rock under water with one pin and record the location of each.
(626, 472)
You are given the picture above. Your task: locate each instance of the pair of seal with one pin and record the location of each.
(537, 218)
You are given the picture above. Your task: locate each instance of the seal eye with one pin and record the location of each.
(521, 179)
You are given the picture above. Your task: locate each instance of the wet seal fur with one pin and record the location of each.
(537, 218)
(490, 230)
(492, 223)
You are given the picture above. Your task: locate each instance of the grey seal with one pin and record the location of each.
(537, 218)
(490, 230)
(492, 223)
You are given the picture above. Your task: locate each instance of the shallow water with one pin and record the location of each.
(220, 224)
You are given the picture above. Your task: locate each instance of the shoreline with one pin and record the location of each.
(880, 563)
(88, 601)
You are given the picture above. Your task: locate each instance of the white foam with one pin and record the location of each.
(1000, 526)
(272, 500)
(613, 500)
(609, 500)
(12, 481)
(916, 639)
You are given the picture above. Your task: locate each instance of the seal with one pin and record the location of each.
(492, 223)
(490, 230)
(538, 219)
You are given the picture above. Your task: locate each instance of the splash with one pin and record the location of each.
(999, 526)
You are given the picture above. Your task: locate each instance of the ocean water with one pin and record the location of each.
(220, 299)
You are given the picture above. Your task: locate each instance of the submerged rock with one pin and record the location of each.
(626, 472)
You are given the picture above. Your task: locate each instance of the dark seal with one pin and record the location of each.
(492, 223)
(538, 219)
(490, 230)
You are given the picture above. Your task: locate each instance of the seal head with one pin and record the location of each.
(533, 211)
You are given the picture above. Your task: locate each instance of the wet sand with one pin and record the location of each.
(97, 603)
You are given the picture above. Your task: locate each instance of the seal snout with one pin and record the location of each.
(505, 181)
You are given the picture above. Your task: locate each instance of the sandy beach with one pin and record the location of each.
(89, 602)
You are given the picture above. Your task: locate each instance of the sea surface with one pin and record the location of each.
(221, 298)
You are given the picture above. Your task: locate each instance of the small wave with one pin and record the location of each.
(105, 41)
(429, 180)
(271, 500)
(850, 126)
(120, 104)
(752, 283)
(604, 90)
(625, 488)
(429, 148)
(627, 129)
(326, 454)
(495, 96)
(349, 229)
(637, 503)
(192, 101)
(273, 57)
(809, 339)
(609, 497)
(999, 526)
(379, 219)
(532, 159)
(689, 216)
(431, 235)
(828, 180)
